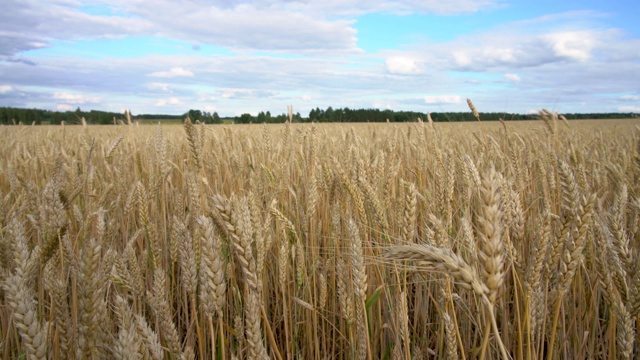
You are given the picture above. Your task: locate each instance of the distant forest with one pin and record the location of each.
(9, 115)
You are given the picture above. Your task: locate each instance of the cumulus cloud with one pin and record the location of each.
(356, 7)
(382, 105)
(403, 65)
(158, 86)
(64, 107)
(480, 53)
(535, 43)
(75, 98)
(245, 93)
(462, 58)
(512, 77)
(443, 99)
(169, 102)
(243, 25)
(31, 25)
(174, 72)
(307, 26)
(633, 109)
(246, 24)
(515, 51)
(574, 45)
(5, 89)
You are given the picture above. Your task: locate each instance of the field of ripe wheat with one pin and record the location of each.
(366, 241)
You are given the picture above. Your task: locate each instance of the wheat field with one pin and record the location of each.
(321, 241)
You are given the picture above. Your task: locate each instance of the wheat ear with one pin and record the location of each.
(489, 232)
(20, 297)
(213, 284)
(149, 338)
(252, 327)
(434, 258)
(450, 335)
(21, 301)
(128, 343)
(473, 109)
(93, 304)
(162, 309)
(194, 141)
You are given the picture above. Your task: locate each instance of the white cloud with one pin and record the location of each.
(382, 105)
(449, 7)
(5, 89)
(500, 54)
(630, 97)
(253, 24)
(245, 93)
(512, 77)
(490, 51)
(461, 58)
(634, 109)
(31, 25)
(358, 7)
(443, 99)
(174, 72)
(484, 53)
(158, 86)
(527, 44)
(403, 65)
(574, 45)
(64, 107)
(257, 24)
(75, 98)
(233, 93)
(169, 102)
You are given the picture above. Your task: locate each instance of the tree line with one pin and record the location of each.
(10, 115)
(377, 115)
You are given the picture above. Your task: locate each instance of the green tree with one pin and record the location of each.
(245, 118)
(216, 118)
(329, 115)
(194, 115)
(261, 118)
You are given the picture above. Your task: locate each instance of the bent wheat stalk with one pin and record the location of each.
(439, 259)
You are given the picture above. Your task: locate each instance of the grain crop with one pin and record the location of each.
(321, 241)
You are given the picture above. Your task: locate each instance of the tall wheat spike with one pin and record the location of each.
(489, 232)
(444, 260)
(21, 300)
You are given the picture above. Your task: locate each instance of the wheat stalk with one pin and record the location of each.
(434, 258)
(473, 109)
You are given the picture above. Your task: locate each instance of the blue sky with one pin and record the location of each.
(236, 56)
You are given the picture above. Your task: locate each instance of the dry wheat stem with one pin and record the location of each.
(444, 260)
